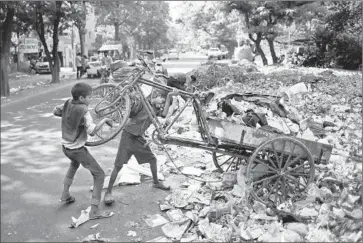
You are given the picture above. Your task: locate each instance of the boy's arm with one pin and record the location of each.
(92, 128)
(57, 111)
(168, 102)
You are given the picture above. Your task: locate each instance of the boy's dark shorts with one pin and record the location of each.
(133, 145)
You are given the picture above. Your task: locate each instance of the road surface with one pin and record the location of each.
(33, 168)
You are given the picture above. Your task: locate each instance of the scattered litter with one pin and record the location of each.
(145, 171)
(214, 232)
(94, 226)
(155, 220)
(160, 239)
(95, 238)
(192, 171)
(131, 233)
(175, 230)
(165, 206)
(176, 215)
(83, 218)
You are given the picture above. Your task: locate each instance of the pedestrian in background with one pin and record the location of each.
(79, 65)
(84, 64)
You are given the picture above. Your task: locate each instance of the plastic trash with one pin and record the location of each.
(175, 230)
(155, 220)
(94, 238)
(192, 171)
(160, 239)
(176, 215)
(294, 90)
(131, 233)
(214, 232)
(83, 218)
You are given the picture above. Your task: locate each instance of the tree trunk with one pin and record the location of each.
(55, 68)
(117, 31)
(272, 50)
(262, 54)
(258, 47)
(17, 50)
(5, 33)
(82, 38)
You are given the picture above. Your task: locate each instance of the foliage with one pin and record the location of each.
(78, 14)
(144, 21)
(262, 19)
(7, 13)
(211, 26)
(338, 36)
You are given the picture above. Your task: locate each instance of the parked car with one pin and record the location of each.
(42, 66)
(173, 54)
(214, 53)
(93, 67)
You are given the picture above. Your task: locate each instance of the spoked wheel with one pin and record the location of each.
(225, 162)
(280, 169)
(103, 96)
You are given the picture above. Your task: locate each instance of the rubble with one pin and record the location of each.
(322, 108)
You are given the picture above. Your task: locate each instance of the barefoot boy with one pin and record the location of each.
(133, 143)
(76, 124)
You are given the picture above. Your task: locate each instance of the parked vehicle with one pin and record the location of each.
(42, 66)
(214, 53)
(93, 67)
(173, 54)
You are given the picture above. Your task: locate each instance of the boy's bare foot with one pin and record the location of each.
(96, 214)
(161, 186)
(108, 199)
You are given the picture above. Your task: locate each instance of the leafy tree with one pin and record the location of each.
(78, 14)
(7, 13)
(49, 17)
(262, 18)
(211, 25)
(143, 21)
(114, 13)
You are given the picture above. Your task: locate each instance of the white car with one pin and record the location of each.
(214, 52)
(93, 67)
(42, 66)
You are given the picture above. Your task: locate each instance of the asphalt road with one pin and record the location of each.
(33, 168)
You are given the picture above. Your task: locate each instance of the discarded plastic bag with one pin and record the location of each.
(214, 232)
(175, 230)
(155, 220)
(128, 176)
(176, 215)
(294, 90)
(192, 171)
(145, 171)
(94, 238)
(83, 218)
(179, 197)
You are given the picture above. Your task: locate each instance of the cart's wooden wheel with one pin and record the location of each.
(280, 169)
(224, 162)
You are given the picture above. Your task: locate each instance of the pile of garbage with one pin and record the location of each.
(319, 108)
(216, 74)
(221, 209)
